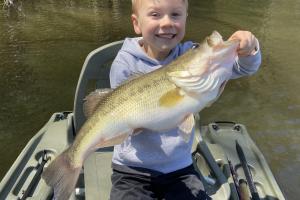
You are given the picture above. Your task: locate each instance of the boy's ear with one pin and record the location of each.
(135, 22)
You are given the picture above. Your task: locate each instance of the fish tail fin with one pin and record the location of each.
(61, 176)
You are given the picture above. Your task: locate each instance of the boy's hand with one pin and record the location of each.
(248, 42)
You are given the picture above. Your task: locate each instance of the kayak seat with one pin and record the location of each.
(94, 75)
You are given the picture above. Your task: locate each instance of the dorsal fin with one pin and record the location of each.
(92, 100)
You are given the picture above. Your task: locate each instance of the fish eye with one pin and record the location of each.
(195, 45)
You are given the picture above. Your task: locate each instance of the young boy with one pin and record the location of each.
(159, 165)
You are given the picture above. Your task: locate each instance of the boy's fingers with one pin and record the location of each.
(233, 37)
(247, 42)
(247, 49)
(243, 53)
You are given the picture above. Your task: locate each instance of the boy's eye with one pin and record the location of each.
(176, 14)
(154, 14)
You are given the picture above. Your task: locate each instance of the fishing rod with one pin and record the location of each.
(248, 175)
(235, 178)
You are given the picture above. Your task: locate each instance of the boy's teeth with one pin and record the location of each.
(169, 36)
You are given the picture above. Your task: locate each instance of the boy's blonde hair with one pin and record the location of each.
(137, 3)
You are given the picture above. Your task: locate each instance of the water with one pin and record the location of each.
(43, 46)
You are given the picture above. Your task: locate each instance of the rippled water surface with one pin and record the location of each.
(43, 45)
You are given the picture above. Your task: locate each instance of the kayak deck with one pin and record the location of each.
(218, 144)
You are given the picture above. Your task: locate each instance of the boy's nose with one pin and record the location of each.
(166, 21)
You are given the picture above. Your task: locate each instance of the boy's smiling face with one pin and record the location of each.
(161, 23)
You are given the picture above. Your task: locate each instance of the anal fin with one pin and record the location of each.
(118, 139)
(112, 141)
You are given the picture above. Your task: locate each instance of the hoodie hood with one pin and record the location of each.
(133, 46)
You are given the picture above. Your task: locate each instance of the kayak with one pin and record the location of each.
(229, 163)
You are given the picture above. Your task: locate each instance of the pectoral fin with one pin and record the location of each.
(171, 98)
(186, 127)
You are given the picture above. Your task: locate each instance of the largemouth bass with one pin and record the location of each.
(161, 100)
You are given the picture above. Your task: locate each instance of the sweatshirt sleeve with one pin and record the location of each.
(245, 66)
(119, 71)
